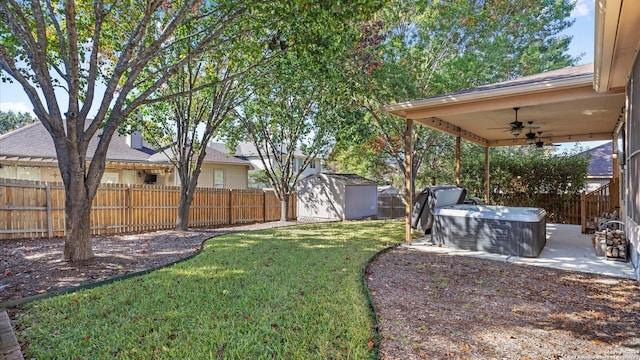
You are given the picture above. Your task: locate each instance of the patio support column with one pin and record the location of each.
(408, 194)
(458, 160)
(486, 175)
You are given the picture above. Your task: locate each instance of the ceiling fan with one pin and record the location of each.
(539, 143)
(516, 127)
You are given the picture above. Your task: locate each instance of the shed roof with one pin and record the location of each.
(346, 179)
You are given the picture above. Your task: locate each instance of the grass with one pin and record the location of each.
(286, 293)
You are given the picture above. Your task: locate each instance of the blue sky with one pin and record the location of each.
(13, 98)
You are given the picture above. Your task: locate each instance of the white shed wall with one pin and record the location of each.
(361, 201)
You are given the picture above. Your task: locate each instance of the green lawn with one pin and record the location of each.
(288, 293)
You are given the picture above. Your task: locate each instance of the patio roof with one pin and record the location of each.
(563, 100)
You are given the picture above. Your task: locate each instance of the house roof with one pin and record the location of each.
(562, 101)
(213, 156)
(245, 149)
(601, 160)
(33, 143)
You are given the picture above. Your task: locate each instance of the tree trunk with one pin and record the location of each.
(182, 223)
(284, 207)
(77, 246)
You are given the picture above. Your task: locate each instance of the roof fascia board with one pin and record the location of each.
(445, 127)
(606, 26)
(505, 102)
(538, 87)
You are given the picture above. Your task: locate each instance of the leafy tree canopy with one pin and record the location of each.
(10, 120)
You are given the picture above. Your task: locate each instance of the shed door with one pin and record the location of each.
(360, 202)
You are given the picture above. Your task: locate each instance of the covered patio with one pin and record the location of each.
(552, 107)
(566, 249)
(589, 102)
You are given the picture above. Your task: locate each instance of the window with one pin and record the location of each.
(312, 164)
(20, 172)
(218, 178)
(110, 178)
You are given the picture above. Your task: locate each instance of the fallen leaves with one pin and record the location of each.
(515, 312)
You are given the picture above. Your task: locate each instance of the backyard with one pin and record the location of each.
(297, 292)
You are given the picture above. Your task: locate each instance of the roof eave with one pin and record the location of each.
(445, 100)
(606, 26)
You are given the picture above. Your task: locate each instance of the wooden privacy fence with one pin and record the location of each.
(598, 204)
(35, 209)
(391, 206)
(560, 209)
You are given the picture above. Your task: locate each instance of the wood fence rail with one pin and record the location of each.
(31, 209)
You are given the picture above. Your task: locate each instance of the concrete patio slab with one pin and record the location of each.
(566, 249)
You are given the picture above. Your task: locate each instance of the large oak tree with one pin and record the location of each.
(104, 58)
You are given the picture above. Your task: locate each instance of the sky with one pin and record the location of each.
(12, 96)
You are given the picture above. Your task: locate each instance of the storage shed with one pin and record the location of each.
(337, 197)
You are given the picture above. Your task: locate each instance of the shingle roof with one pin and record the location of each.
(245, 149)
(601, 162)
(33, 141)
(212, 155)
(554, 75)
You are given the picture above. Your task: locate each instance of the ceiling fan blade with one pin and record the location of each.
(533, 125)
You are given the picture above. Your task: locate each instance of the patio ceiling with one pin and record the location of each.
(563, 100)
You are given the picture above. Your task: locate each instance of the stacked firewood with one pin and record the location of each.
(616, 245)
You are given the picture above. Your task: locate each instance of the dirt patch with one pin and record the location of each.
(438, 306)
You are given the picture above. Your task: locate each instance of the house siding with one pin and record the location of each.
(235, 177)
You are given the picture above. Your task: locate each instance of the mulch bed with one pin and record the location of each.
(438, 306)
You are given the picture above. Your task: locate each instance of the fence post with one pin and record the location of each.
(47, 190)
(129, 207)
(230, 206)
(264, 206)
(583, 212)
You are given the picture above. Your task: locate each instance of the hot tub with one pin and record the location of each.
(517, 231)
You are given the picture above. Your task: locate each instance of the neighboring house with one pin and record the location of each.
(218, 170)
(28, 153)
(337, 197)
(600, 170)
(248, 152)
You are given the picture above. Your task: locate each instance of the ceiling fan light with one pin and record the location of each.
(531, 141)
(515, 132)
